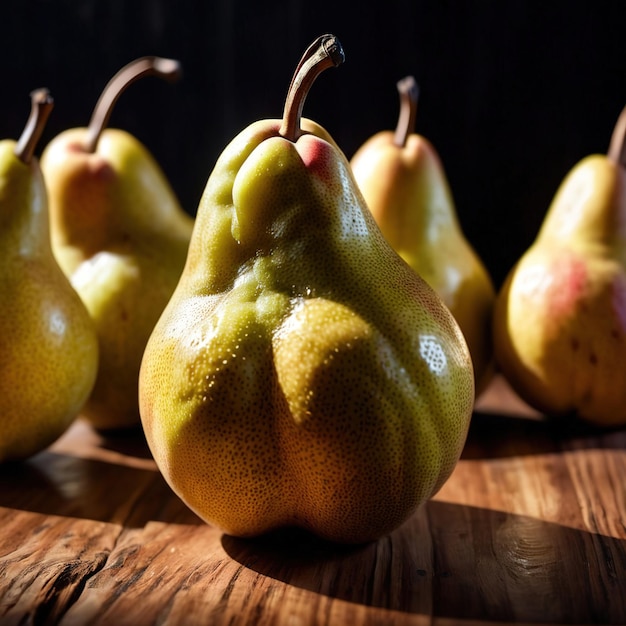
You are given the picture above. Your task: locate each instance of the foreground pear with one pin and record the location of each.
(121, 236)
(301, 375)
(404, 184)
(47, 340)
(560, 317)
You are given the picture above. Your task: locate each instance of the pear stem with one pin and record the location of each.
(617, 147)
(41, 107)
(324, 52)
(168, 69)
(409, 92)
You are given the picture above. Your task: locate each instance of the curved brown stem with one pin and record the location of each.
(41, 107)
(617, 147)
(409, 91)
(324, 52)
(168, 69)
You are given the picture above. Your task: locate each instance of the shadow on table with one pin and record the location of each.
(461, 562)
(82, 439)
(129, 442)
(53, 483)
(498, 436)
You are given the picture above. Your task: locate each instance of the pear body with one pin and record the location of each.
(47, 340)
(406, 189)
(560, 317)
(121, 237)
(301, 374)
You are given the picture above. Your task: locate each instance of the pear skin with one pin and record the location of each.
(121, 237)
(47, 340)
(560, 317)
(302, 374)
(405, 187)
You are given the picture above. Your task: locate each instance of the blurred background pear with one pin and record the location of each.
(560, 317)
(120, 235)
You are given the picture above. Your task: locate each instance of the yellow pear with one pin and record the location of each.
(405, 187)
(302, 374)
(121, 237)
(560, 316)
(47, 340)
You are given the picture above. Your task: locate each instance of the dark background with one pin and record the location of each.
(513, 93)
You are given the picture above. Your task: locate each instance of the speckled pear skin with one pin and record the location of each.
(48, 346)
(301, 374)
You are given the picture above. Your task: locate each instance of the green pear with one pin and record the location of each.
(302, 374)
(47, 340)
(560, 316)
(120, 235)
(405, 187)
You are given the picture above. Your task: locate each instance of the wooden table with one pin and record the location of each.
(530, 528)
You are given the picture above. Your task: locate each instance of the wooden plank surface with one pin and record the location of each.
(530, 528)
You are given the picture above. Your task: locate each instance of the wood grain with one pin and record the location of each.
(530, 528)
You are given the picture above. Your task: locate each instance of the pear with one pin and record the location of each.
(47, 340)
(402, 179)
(121, 236)
(301, 374)
(560, 316)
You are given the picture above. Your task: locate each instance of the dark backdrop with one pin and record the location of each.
(513, 93)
